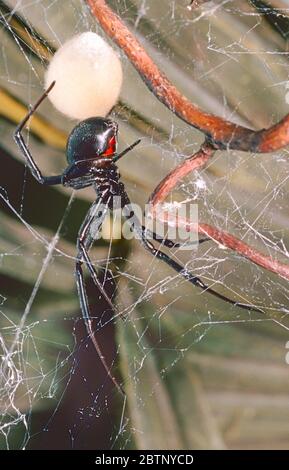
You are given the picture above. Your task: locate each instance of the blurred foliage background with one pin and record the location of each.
(198, 373)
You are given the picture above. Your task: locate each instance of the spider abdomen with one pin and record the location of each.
(93, 137)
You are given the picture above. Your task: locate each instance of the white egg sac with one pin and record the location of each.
(88, 77)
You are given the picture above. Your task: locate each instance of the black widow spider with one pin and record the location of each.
(91, 155)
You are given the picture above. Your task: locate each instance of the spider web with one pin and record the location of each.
(198, 373)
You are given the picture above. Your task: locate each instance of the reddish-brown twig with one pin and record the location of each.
(222, 133)
(193, 163)
(168, 184)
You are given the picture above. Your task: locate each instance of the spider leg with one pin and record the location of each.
(196, 281)
(125, 151)
(95, 216)
(49, 180)
(165, 241)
